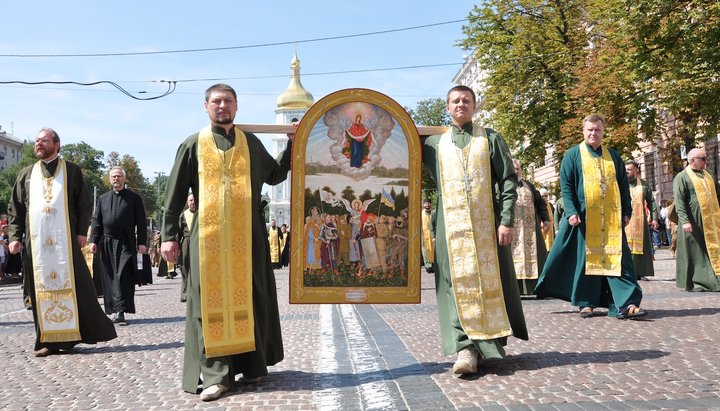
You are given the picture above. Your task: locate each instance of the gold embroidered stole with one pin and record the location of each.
(549, 234)
(427, 238)
(88, 255)
(603, 214)
(283, 240)
(225, 246)
(710, 214)
(189, 215)
(52, 257)
(636, 229)
(465, 181)
(274, 242)
(524, 245)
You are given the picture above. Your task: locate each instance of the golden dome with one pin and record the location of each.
(295, 96)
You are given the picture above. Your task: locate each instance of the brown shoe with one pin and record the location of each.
(44, 352)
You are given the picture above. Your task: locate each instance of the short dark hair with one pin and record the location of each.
(464, 89)
(219, 87)
(632, 162)
(53, 133)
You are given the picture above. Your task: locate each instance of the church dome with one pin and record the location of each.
(295, 96)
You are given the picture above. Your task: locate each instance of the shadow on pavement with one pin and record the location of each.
(14, 323)
(159, 320)
(128, 348)
(552, 359)
(689, 312)
(289, 380)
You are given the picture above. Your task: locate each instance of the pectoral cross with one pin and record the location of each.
(603, 186)
(227, 180)
(467, 183)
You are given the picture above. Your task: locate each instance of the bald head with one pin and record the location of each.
(697, 158)
(518, 169)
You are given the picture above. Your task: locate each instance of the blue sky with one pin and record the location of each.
(151, 130)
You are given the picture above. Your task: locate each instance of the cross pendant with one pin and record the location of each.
(226, 180)
(467, 183)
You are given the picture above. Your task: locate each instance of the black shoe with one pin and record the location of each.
(119, 318)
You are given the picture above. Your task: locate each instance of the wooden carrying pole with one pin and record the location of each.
(287, 128)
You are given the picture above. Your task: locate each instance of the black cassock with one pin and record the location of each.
(118, 227)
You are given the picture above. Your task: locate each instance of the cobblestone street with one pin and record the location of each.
(358, 357)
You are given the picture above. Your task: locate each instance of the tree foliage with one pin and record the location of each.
(430, 112)
(9, 175)
(90, 161)
(650, 67)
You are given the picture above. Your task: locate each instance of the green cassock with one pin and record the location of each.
(504, 182)
(95, 326)
(644, 262)
(693, 268)
(564, 276)
(541, 214)
(268, 338)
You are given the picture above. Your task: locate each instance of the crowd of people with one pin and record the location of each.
(492, 237)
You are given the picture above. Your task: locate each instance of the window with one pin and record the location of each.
(650, 170)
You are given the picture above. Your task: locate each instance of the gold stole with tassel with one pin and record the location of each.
(603, 215)
(524, 245)
(710, 214)
(549, 234)
(465, 180)
(52, 257)
(636, 229)
(225, 246)
(427, 238)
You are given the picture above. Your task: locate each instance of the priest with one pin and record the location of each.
(528, 246)
(697, 199)
(50, 210)
(590, 263)
(638, 230)
(477, 293)
(232, 321)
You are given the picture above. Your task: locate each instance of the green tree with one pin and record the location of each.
(430, 112)
(135, 180)
(528, 49)
(90, 161)
(9, 175)
(650, 67)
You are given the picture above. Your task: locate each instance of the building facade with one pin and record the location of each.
(10, 150)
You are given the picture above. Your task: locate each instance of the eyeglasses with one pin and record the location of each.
(700, 158)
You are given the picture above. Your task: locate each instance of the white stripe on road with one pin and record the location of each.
(375, 394)
(327, 398)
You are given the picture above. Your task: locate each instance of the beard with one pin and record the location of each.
(44, 154)
(223, 119)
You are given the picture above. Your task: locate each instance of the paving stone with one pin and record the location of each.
(389, 357)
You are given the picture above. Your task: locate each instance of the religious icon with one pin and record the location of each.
(356, 173)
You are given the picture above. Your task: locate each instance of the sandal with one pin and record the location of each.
(632, 311)
(586, 312)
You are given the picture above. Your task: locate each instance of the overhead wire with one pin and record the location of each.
(171, 86)
(279, 43)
